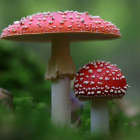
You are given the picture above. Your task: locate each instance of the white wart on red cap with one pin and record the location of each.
(100, 80)
(40, 27)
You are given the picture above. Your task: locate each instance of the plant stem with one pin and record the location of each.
(99, 117)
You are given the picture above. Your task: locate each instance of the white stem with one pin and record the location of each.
(60, 70)
(61, 101)
(99, 117)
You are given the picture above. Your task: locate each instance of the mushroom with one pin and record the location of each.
(99, 82)
(60, 28)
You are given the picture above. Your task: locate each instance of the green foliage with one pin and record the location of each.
(22, 73)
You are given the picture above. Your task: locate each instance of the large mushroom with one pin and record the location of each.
(60, 28)
(99, 82)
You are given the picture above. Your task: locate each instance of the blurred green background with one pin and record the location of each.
(23, 64)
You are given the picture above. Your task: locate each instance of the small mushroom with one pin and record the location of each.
(60, 28)
(99, 82)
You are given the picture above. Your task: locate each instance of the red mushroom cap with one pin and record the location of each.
(41, 26)
(100, 80)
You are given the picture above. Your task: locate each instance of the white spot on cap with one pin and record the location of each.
(30, 18)
(82, 20)
(76, 86)
(86, 67)
(119, 91)
(76, 81)
(96, 22)
(44, 18)
(106, 91)
(80, 85)
(16, 22)
(81, 92)
(98, 92)
(100, 83)
(88, 93)
(90, 71)
(69, 26)
(113, 78)
(89, 88)
(64, 16)
(115, 70)
(109, 67)
(125, 87)
(81, 79)
(86, 82)
(50, 22)
(115, 91)
(99, 70)
(92, 83)
(101, 65)
(78, 16)
(106, 78)
(123, 90)
(71, 17)
(111, 90)
(93, 76)
(61, 22)
(81, 74)
(119, 74)
(107, 71)
(100, 78)
(107, 87)
(24, 27)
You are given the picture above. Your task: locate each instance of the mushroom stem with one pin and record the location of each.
(61, 101)
(60, 70)
(60, 62)
(99, 117)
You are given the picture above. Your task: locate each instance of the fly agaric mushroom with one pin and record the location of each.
(99, 82)
(60, 28)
